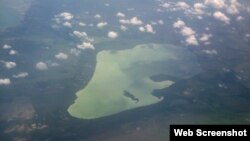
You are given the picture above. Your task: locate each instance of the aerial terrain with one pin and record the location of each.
(118, 70)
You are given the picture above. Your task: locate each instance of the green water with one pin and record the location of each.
(130, 70)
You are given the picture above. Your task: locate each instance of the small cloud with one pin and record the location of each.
(123, 28)
(187, 32)
(75, 52)
(179, 24)
(149, 28)
(210, 52)
(182, 5)
(102, 24)
(80, 34)
(97, 16)
(215, 3)
(6, 46)
(132, 21)
(247, 35)
(10, 64)
(191, 40)
(122, 21)
(12, 52)
(21, 75)
(66, 15)
(81, 24)
(136, 21)
(61, 56)
(205, 37)
(234, 7)
(86, 45)
(199, 8)
(5, 81)
(221, 16)
(52, 64)
(142, 29)
(120, 15)
(165, 5)
(67, 24)
(112, 34)
(161, 22)
(240, 18)
(41, 66)
(130, 9)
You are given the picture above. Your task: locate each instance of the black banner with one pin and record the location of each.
(220, 132)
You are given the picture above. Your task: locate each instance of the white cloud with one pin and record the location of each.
(122, 21)
(179, 24)
(221, 16)
(123, 28)
(120, 15)
(136, 21)
(233, 7)
(132, 21)
(215, 3)
(149, 28)
(187, 31)
(86, 45)
(161, 22)
(142, 29)
(240, 18)
(81, 24)
(66, 16)
(10, 64)
(207, 28)
(166, 5)
(112, 34)
(67, 24)
(61, 56)
(41, 66)
(5, 81)
(102, 24)
(210, 52)
(75, 52)
(97, 16)
(205, 37)
(6, 46)
(191, 40)
(12, 52)
(182, 5)
(199, 8)
(247, 35)
(80, 34)
(21, 75)
(52, 64)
